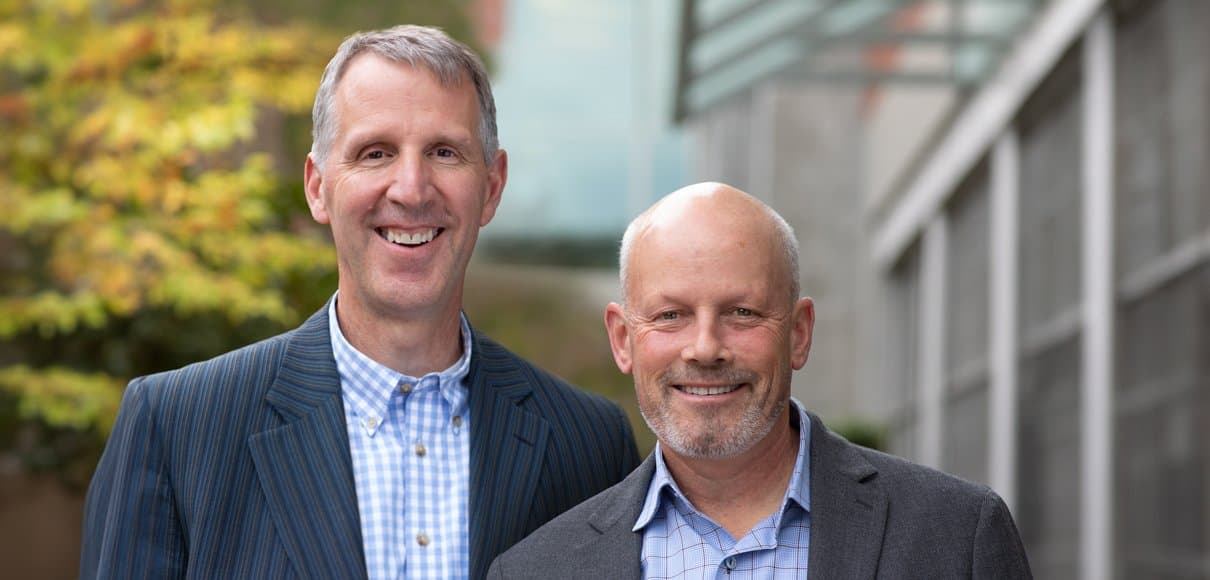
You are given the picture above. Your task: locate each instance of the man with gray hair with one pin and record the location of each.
(383, 438)
(744, 482)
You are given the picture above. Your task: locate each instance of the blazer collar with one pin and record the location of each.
(849, 508)
(621, 509)
(304, 466)
(848, 514)
(618, 548)
(508, 443)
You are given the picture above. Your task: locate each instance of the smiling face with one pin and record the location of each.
(404, 188)
(710, 331)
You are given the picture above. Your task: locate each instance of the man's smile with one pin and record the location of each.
(706, 390)
(405, 238)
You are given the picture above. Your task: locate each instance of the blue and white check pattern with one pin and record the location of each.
(410, 443)
(680, 542)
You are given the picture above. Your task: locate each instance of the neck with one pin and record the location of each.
(413, 345)
(740, 491)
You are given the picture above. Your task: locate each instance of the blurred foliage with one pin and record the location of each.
(862, 432)
(152, 195)
(142, 229)
(347, 16)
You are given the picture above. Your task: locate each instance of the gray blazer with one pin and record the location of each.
(872, 516)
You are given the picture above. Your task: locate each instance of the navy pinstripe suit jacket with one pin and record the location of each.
(239, 467)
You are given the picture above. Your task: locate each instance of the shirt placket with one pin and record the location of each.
(423, 539)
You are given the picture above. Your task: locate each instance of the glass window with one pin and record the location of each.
(1162, 498)
(966, 398)
(902, 301)
(1049, 293)
(1163, 128)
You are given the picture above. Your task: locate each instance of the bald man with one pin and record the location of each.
(744, 482)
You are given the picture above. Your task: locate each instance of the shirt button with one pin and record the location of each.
(730, 563)
(422, 539)
(457, 420)
(405, 388)
(420, 451)
(372, 422)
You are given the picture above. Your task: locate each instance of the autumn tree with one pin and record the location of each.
(140, 228)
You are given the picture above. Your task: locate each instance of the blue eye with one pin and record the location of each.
(669, 315)
(744, 312)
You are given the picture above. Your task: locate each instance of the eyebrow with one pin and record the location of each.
(356, 141)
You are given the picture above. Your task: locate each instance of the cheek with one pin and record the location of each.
(761, 349)
(654, 353)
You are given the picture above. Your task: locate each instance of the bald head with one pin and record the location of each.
(695, 214)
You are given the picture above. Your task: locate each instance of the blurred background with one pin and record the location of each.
(1003, 207)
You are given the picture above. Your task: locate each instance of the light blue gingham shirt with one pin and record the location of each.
(410, 443)
(681, 542)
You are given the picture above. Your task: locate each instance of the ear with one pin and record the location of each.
(312, 184)
(619, 337)
(800, 334)
(497, 175)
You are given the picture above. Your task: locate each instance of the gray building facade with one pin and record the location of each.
(1023, 297)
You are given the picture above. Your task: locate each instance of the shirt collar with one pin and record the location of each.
(798, 491)
(368, 385)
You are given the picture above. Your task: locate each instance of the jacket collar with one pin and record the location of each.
(850, 508)
(508, 442)
(304, 465)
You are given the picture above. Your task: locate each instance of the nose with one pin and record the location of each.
(707, 347)
(410, 184)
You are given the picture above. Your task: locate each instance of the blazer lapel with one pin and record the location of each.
(304, 466)
(848, 512)
(507, 447)
(618, 550)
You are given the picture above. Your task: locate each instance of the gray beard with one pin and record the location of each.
(714, 440)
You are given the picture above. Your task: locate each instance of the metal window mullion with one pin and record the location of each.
(979, 123)
(1097, 339)
(1003, 331)
(930, 403)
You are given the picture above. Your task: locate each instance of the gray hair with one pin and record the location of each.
(786, 241)
(452, 62)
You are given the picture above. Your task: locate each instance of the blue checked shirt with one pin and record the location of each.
(680, 542)
(411, 462)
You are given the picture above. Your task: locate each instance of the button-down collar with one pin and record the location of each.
(368, 385)
(798, 491)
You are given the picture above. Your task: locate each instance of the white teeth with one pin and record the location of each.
(709, 390)
(402, 237)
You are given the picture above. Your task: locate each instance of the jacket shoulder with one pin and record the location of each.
(569, 409)
(591, 540)
(244, 371)
(912, 480)
(546, 386)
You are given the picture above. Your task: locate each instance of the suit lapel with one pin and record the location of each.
(848, 511)
(304, 466)
(618, 545)
(508, 444)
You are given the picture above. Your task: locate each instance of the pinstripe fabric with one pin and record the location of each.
(412, 504)
(538, 448)
(239, 467)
